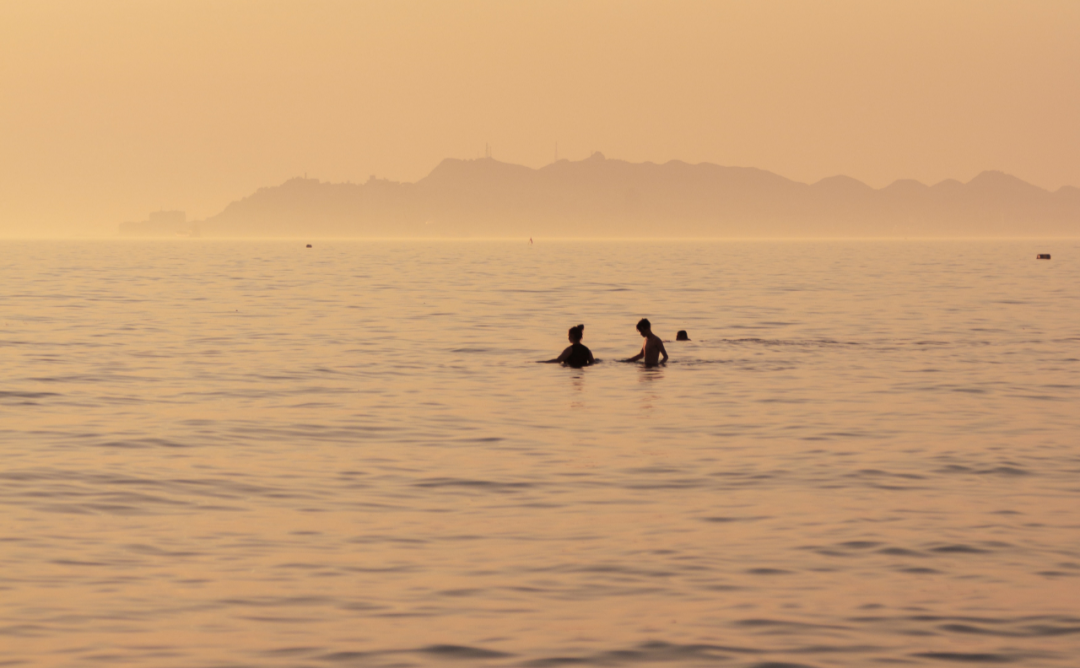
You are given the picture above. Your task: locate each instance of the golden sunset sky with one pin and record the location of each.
(110, 109)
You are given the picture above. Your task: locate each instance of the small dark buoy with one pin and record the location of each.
(682, 336)
(1042, 256)
(309, 245)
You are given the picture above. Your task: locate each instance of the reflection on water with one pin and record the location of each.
(253, 454)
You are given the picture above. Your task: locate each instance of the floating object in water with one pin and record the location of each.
(682, 336)
(1042, 256)
(309, 245)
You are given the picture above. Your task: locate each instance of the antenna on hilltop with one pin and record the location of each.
(556, 151)
(487, 150)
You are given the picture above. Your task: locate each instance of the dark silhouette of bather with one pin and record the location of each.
(653, 347)
(682, 336)
(576, 355)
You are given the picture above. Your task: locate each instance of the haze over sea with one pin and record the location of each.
(236, 453)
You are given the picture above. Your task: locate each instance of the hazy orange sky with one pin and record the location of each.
(109, 109)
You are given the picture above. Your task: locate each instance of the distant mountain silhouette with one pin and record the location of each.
(598, 197)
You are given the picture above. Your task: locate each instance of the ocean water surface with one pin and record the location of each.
(257, 454)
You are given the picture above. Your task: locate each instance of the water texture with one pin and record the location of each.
(257, 454)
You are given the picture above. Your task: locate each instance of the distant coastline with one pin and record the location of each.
(600, 197)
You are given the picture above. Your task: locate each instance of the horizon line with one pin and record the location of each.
(524, 240)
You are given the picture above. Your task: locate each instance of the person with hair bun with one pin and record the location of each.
(576, 355)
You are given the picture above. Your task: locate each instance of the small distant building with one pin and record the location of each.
(160, 224)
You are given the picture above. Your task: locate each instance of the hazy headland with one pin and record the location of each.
(608, 198)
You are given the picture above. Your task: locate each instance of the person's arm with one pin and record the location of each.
(560, 359)
(663, 351)
(636, 357)
(592, 360)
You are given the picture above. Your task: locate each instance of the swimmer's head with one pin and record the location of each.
(576, 333)
(644, 326)
(682, 336)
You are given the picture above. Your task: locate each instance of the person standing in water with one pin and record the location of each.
(653, 347)
(577, 355)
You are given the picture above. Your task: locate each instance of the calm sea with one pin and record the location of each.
(259, 454)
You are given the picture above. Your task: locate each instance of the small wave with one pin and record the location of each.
(803, 343)
(462, 652)
(652, 653)
(473, 484)
(453, 652)
(142, 443)
(958, 549)
(963, 657)
(993, 470)
(725, 520)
